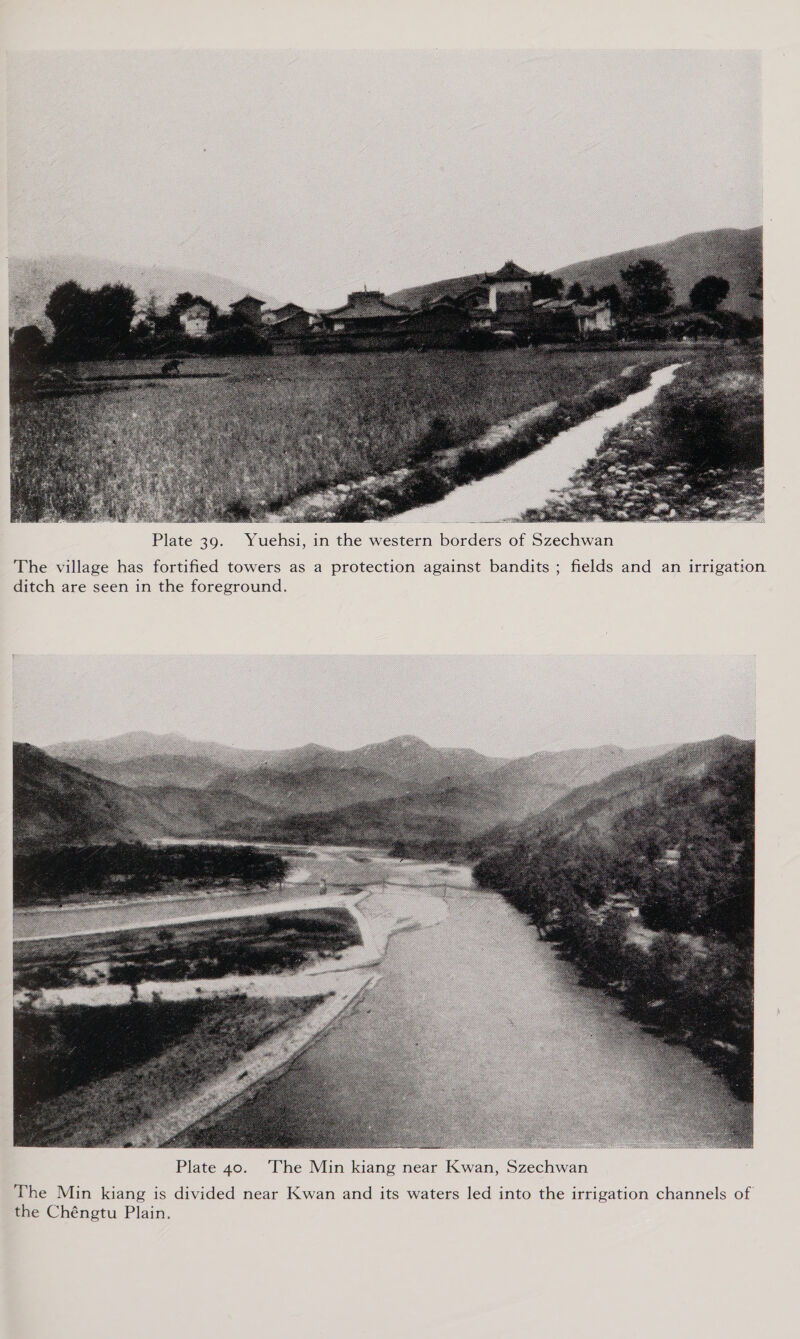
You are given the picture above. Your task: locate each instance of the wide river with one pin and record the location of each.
(478, 1036)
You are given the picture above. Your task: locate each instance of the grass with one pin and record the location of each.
(696, 453)
(85, 1075)
(270, 430)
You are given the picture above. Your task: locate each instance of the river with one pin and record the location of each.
(478, 1036)
(531, 481)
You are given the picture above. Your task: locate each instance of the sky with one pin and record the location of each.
(505, 706)
(309, 174)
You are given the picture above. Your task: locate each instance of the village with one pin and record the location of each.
(504, 308)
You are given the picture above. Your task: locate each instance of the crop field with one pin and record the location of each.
(83, 1075)
(236, 437)
(244, 944)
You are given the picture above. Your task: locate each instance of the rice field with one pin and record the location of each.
(238, 436)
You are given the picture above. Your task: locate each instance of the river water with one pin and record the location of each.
(531, 481)
(478, 1036)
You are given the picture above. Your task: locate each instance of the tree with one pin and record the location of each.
(576, 293)
(68, 309)
(90, 322)
(609, 293)
(28, 346)
(183, 301)
(708, 293)
(546, 286)
(112, 308)
(649, 288)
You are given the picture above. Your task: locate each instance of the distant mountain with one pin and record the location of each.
(151, 751)
(733, 253)
(413, 760)
(56, 804)
(307, 790)
(411, 792)
(595, 807)
(454, 813)
(31, 281)
(141, 758)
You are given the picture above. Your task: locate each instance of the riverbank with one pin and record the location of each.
(263, 1021)
(215, 1035)
(478, 1036)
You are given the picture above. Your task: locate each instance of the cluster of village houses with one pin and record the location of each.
(501, 303)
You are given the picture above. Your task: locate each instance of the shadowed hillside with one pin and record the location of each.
(595, 808)
(56, 804)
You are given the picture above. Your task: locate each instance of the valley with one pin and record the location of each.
(238, 915)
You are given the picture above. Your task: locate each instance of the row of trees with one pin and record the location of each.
(97, 323)
(107, 321)
(649, 292)
(55, 873)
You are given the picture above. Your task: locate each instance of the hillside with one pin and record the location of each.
(149, 751)
(30, 282)
(56, 804)
(153, 769)
(307, 790)
(733, 253)
(450, 813)
(594, 808)
(204, 813)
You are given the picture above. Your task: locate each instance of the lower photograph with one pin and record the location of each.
(492, 901)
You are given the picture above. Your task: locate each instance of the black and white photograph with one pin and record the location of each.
(353, 285)
(357, 902)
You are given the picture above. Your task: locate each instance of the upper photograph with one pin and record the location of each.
(385, 286)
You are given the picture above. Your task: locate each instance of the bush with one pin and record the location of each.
(237, 339)
(358, 506)
(720, 425)
(438, 437)
(425, 485)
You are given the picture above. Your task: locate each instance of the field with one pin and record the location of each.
(186, 951)
(84, 1075)
(212, 447)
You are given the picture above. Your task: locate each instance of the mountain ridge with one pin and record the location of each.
(414, 799)
(597, 805)
(733, 253)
